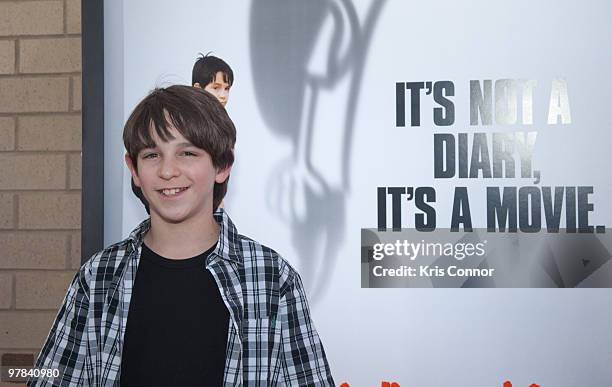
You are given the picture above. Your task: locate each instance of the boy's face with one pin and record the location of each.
(176, 178)
(219, 88)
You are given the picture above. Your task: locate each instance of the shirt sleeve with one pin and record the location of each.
(304, 362)
(66, 344)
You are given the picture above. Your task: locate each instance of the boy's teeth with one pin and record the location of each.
(173, 191)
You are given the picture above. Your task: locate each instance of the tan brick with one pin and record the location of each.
(22, 329)
(41, 290)
(51, 55)
(73, 16)
(11, 384)
(50, 133)
(25, 171)
(7, 133)
(33, 250)
(74, 172)
(6, 290)
(50, 210)
(75, 250)
(7, 211)
(7, 56)
(77, 93)
(22, 95)
(15, 359)
(31, 18)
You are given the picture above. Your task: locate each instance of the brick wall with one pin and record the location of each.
(40, 168)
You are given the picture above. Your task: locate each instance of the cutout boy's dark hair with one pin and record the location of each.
(196, 114)
(206, 68)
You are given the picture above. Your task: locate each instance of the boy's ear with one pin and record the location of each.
(223, 174)
(132, 168)
(197, 84)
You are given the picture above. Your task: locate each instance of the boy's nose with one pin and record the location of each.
(168, 169)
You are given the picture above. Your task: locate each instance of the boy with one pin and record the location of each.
(206, 305)
(218, 78)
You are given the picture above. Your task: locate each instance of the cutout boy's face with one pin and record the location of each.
(177, 179)
(219, 88)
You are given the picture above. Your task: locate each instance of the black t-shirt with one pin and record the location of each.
(177, 324)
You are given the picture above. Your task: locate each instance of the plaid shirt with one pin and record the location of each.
(271, 338)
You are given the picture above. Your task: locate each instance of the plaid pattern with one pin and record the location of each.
(271, 338)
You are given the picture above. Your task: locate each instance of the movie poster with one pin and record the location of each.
(387, 148)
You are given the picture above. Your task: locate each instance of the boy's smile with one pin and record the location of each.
(177, 178)
(172, 192)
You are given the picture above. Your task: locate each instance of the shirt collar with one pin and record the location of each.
(227, 244)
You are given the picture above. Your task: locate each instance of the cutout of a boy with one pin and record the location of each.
(185, 299)
(216, 76)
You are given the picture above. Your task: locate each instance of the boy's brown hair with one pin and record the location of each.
(196, 114)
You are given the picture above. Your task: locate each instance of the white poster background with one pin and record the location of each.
(416, 337)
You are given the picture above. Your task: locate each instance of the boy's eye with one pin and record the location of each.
(149, 155)
(188, 153)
